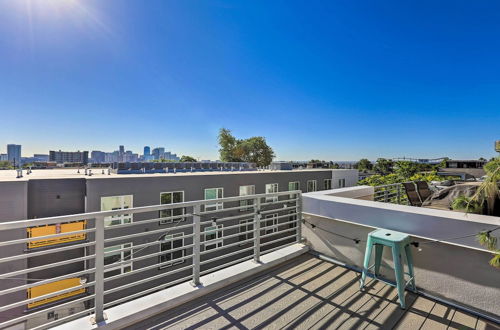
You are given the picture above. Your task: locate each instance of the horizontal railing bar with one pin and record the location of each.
(143, 292)
(151, 255)
(157, 231)
(128, 285)
(278, 240)
(242, 215)
(228, 245)
(41, 238)
(227, 209)
(276, 232)
(141, 222)
(139, 270)
(45, 296)
(48, 251)
(140, 246)
(279, 202)
(225, 256)
(237, 225)
(281, 217)
(48, 280)
(44, 311)
(279, 210)
(92, 215)
(277, 226)
(226, 264)
(227, 237)
(55, 264)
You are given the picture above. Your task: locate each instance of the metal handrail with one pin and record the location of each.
(94, 245)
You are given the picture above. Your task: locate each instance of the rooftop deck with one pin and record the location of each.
(309, 293)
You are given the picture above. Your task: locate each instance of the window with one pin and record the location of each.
(328, 184)
(311, 185)
(246, 225)
(246, 191)
(117, 203)
(213, 237)
(271, 220)
(271, 188)
(113, 255)
(341, 183)
(214, 193)
(48, 288)
(170, 242)
(295, 185)
(170, 198)
(66, 227)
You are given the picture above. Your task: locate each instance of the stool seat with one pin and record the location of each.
(399, 243)
(389, 235)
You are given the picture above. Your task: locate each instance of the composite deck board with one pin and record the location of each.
(309, 293)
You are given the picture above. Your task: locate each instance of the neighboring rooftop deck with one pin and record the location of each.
(309, 293)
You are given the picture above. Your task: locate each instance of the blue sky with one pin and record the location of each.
(335, 80)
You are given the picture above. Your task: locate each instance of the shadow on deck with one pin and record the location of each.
(309, 293)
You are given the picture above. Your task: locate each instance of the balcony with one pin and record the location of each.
(244, 262)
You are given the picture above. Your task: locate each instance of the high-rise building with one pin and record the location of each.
(3, 157)
(121, 153)
(62, 157)
(14, 154)
(147, 151)
(158, 153)
(97, 156)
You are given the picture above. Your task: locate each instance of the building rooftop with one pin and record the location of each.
(72, 173)
(309, 293)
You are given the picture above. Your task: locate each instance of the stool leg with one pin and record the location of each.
(366, 263)
(378, 258)
(409, 259)
(400, 281)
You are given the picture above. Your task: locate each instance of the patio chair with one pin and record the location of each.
(412, 194)
(423, 190)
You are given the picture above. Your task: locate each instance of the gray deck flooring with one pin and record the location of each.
(309, 293)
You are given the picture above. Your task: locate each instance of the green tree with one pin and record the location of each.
(6, 165)
(364, 165)
(253, 150)
(383, 166)
(406, 169)
(188, 159)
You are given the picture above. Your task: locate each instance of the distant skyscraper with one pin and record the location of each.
(121, 154)
(158, 153)
(14, 154)
(147, 151)
(97, 156)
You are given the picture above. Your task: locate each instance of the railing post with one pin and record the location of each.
(256, 227)
(196, 244)
(99, 270)
(399, 194)
(299, 217)
(386, 195)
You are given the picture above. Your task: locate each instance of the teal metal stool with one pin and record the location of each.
(399, 244)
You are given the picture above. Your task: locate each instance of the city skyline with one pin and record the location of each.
(318, 80)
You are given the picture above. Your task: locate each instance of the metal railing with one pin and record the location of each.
(142, 255)
(390, 193)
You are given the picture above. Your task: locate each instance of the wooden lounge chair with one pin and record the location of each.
(412, 194)
(423, 190)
